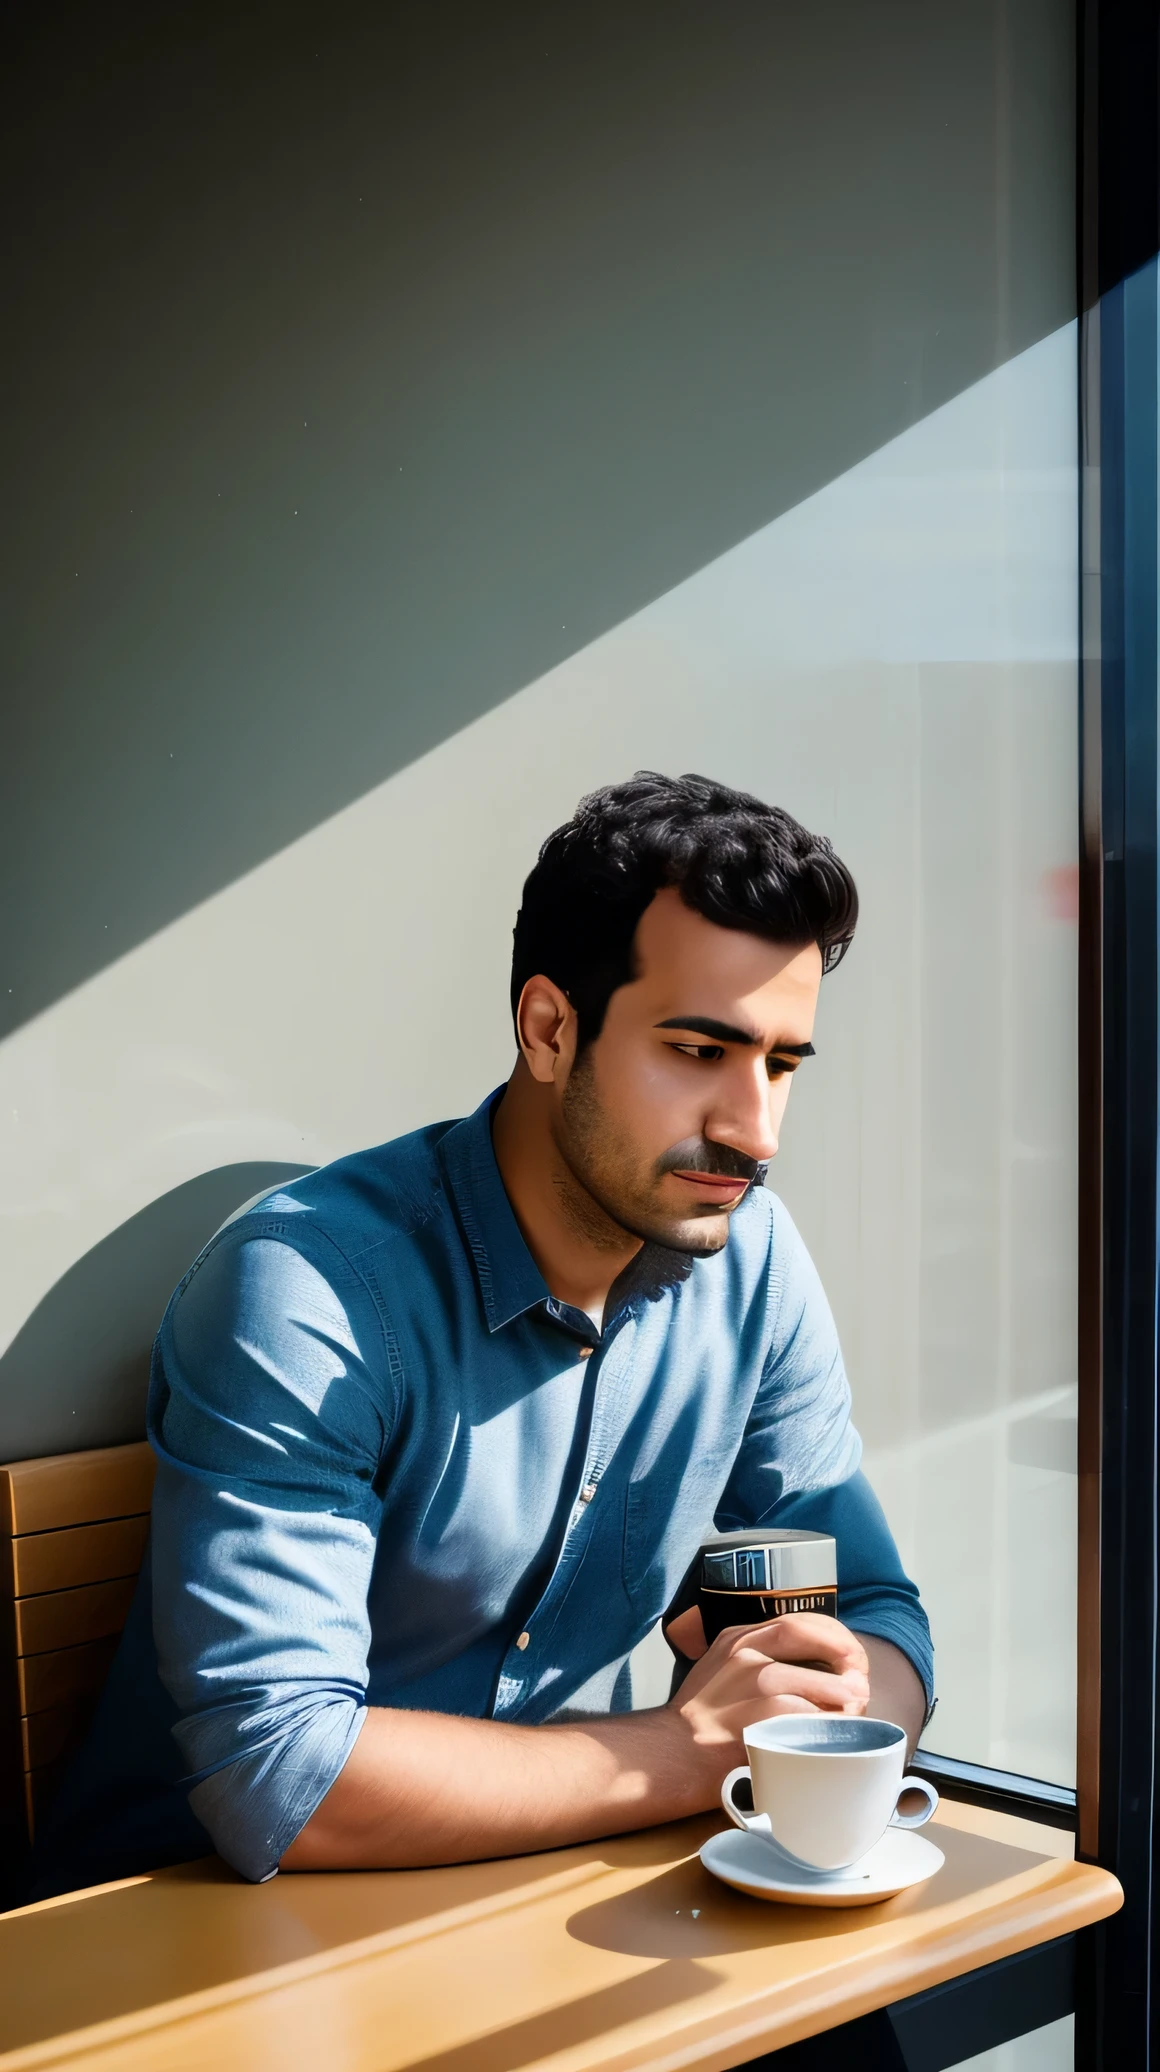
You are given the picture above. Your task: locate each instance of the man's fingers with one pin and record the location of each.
(829, 1693)
(800, 1663)
(752, 1678)
(803, 1637)
(752, 1659)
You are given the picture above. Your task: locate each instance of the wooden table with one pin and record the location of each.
(620, 1954)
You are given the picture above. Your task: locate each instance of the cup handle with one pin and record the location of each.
(739, 1819)
(913, 1819)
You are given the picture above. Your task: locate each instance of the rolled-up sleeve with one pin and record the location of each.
(269, 1421)
(799, 1464)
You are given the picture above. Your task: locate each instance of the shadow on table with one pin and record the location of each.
(575, 2021)
(686, 1913)
(102, 1955)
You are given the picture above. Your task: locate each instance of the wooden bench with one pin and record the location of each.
(72, 1533)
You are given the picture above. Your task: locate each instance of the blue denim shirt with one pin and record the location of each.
(385, 1452)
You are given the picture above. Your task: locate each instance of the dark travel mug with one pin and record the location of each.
(741, 1578)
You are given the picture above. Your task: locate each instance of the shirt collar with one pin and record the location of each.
(510, 1282)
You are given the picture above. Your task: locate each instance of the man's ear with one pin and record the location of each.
(547, 1029)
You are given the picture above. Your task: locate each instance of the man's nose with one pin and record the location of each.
(747, 1121)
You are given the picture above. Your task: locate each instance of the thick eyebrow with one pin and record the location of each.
(724, 1032)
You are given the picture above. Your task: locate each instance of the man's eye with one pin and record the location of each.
(778, 1067)
(711, 1051)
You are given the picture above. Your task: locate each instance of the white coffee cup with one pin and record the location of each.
(825, 1788)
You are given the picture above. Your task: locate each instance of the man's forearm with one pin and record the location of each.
(428, 1788)
(896, 1691)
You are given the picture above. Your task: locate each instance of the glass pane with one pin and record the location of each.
(895, 659)
(930, 1158)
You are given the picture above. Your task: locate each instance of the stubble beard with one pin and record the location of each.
(602, 1189)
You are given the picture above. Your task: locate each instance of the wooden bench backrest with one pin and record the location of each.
(72, 1533)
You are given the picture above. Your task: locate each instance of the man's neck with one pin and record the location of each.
(578, 1248)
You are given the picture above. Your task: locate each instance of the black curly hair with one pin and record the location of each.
(738, 862)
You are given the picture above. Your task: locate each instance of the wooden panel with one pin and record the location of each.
(72, 1533)
(62, 1618)
(13, 1826)
(618, 1956)
(40, 1787)
(64, 1674)
(49, 1736)
(62, 1489)
(80, 1554)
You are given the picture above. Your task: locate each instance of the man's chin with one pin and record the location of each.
(655, 1222)
(699, 1236)
(701, 1241)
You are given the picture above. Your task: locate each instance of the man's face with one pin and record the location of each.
(668, 1117)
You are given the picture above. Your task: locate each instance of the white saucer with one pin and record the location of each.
(753, 1864)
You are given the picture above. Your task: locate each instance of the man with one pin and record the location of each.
(440, 1427)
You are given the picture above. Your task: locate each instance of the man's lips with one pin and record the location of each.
(719, 1186)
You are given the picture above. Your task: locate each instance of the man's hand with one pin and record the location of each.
(809, 1641)
(800, 1663)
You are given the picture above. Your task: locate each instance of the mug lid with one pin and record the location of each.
(770, 1563)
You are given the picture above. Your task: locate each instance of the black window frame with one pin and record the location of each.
(1119, 236)
(1115, 1808)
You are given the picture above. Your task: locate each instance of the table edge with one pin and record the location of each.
(886, 1977)
(1073, 1896)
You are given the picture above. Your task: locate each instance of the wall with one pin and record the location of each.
(422, 417)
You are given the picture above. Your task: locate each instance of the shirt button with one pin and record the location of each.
(588, 1492)
(522, 1641)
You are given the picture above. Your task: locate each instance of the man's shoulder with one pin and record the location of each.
(357, 1201)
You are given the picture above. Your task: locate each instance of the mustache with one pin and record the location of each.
(698, 1155)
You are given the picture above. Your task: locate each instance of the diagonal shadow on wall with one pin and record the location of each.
(76, 1374)
(363, 362)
